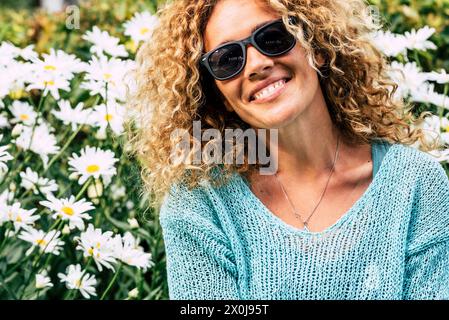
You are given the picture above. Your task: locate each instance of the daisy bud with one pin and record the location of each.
(17, 130)
(133, 223)
(74, 176)
(101, 135)
(134, 293)
(95, 201)
(95, 190)
(12, 187)
(66, 230)
(129, 205)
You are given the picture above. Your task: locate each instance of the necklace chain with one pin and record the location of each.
(305, 223)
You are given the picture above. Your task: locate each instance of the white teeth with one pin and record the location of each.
(268, 90)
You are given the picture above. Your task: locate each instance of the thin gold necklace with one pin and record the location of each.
(305, 223)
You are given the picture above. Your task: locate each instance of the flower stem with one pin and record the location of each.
(83, 189)
(63, 149)
(112, 282)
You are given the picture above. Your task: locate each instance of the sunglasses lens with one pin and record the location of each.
(275, 39)
(226, 61)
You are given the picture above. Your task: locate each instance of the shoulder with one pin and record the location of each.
(409, 157)
(203, 202)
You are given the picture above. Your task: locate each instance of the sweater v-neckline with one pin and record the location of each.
(260, 206)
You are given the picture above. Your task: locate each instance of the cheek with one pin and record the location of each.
(230, 91)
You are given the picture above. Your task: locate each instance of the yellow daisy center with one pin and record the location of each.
(108, 117)
(446, 128)
(144, 30)
(50, 68)
(78, 283)
(19, 219)
(93, 168)
(68, 211)
(90, 251)
(24, 117)
(49, 83)
(41, 242)
(107, 76)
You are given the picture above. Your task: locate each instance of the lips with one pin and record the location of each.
(266, 88)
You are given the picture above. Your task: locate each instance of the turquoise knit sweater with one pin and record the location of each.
(393, 243)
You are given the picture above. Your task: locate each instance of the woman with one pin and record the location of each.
(352, 211)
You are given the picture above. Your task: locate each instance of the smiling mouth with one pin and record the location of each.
(270, 91)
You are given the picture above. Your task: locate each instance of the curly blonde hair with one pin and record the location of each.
(172, 90)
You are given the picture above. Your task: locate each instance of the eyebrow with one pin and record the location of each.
(260, 25)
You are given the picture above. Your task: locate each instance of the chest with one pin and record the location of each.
(301, 201)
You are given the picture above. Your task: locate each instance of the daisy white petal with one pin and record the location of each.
(23, 112)
(98, 245)
(75, 278)
(103, 42)
(32, 181)
(43, 280)
(419, 39)
(69, 210)
(47, 242)
(93, 162)
(127, 250)
(141, 26)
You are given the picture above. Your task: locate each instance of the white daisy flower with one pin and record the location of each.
(434, 126)
(113, 114)
(102, 71)
(419, 39)
(141, 26)
(8, 51)
(426, 94)
(389, 43)
(14, 76)
(103, 42)
(4, 157)
(93, 162)
(73, 116)
(21, 218)
(49, 83)
(43, 280)
(69, 209)
(98, 245)
(77, 279)
(127, 250)
(47, 242)
(408, 77)
(58, 64)
(28, 53)
(23, 112)
(43, 143)
(32, 181)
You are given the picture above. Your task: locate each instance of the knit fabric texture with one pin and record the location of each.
(393, 243)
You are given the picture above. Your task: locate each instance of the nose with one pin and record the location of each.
(257, 64)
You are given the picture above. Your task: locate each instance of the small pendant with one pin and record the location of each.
(305, 228)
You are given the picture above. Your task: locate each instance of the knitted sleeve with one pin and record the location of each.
(200, 262)
(427, 255)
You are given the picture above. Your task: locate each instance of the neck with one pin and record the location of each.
(307, 145)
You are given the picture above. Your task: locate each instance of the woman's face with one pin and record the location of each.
(234, 20)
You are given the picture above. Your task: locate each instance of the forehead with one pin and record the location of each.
(234, 19)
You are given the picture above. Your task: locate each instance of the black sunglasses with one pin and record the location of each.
(229, 59)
